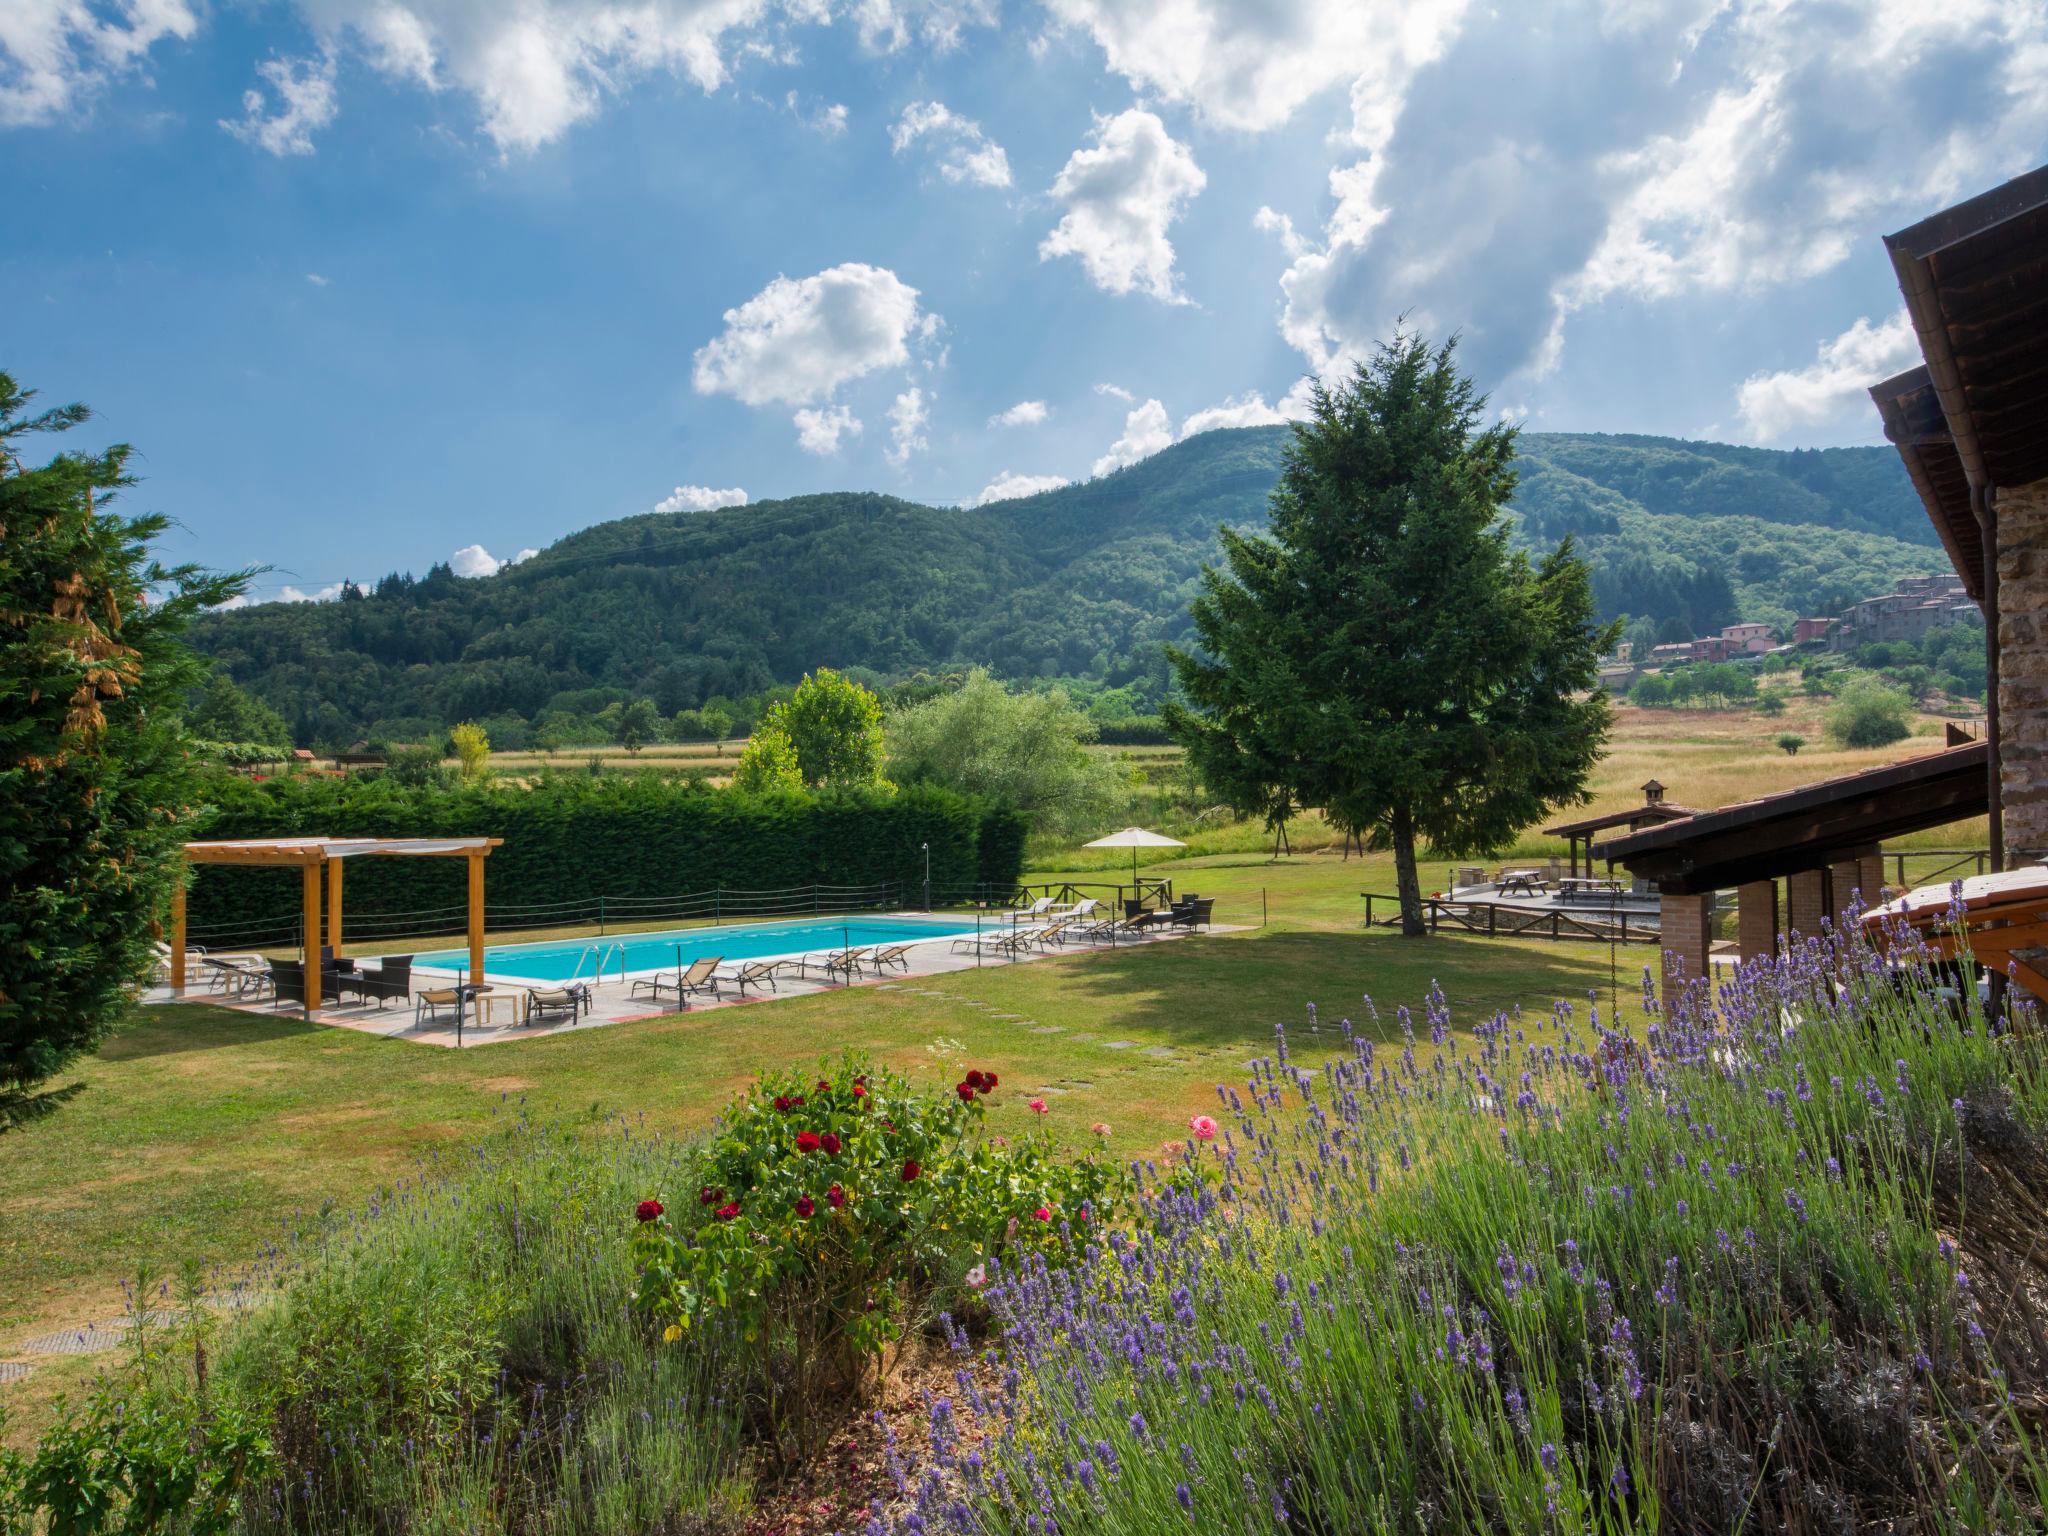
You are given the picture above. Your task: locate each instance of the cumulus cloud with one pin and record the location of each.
(700, 498)
(1147, 429)
(965, 153)
(1122, 191)
(1833, 385)
(475, 560)
(819, 431)
(1253, 66)
(1116, 392)
(300, 103)
(1245, 410)
(828, 120)
(326, 594)
(889, 25)
(908, 418)
(1025, 413)
(1738, 146)
(56, 54)
(797, 340)
(1008, 487)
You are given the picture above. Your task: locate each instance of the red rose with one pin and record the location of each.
(911, 1171)
(1042, 1214)
(807, 1141)
(804, 1207)
(975, 1079)
(797, 1101)
(966, 1092)
(782, 1102)
(988, 1082)
(860, 1090)
(824, 1085)
(647, 1210)
(727, 1212)
(835, 1197)
(830, 1143)
(710, 1194)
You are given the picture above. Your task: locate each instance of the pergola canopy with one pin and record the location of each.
(311, 855)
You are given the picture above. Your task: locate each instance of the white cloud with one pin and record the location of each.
(797, 340)
(475, 560)
(1146, 430)
(54, 54)
(966, 154)
(889, 25)
(1121, 193)
(1246, 410)
(908, 418)
(1025, 413)
(1008, 487)
(316, 280)
(326, 594)
(819, 431)
(304, 104)
(1116, 392)
(700, 498)
(828, 121)
(1834, 385)
(1253, 66)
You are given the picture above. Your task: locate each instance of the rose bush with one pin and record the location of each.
(833, 1211)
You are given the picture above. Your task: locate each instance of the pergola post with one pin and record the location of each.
(476, 917)
(310, 880)
(1846, 875)
(1756, 919)
(1873, 877)
(334, 904)
(178, 933)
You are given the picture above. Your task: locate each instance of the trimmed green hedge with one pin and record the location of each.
(575, 839)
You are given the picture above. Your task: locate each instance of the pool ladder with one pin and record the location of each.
(602, 952)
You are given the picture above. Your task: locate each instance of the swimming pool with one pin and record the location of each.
(561, 960)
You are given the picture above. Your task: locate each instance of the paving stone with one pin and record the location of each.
(1049, 1029)
(1163, 1051)
(14, 1370)
(88, 1340)
(1118, 1045)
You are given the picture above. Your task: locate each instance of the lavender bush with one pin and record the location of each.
(1719, 1270)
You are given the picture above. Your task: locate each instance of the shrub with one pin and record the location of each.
(1790, 743)
(1772, 703)
(472, 751)
(768, 764)
(1868, 714)
(830, 1211)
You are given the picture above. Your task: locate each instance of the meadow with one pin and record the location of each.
(203, 1134)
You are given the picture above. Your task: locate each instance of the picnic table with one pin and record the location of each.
(1588, 887)
(1527, 882)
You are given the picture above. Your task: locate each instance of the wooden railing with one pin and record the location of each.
(1501, 920)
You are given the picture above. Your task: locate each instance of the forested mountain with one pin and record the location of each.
(1083, 581)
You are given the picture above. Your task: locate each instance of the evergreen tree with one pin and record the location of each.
(1385, 655)
(96, 775)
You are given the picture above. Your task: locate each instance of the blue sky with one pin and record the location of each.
(372, 282)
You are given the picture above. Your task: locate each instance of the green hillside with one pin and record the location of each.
(1086, 581)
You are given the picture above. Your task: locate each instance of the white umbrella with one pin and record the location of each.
(1135, 838)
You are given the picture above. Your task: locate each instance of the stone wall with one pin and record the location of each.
(2023, 667)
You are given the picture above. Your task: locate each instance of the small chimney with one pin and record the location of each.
(1653, 793)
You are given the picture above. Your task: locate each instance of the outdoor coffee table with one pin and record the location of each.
(489, 1002)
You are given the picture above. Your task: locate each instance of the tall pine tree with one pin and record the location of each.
(1384, 654)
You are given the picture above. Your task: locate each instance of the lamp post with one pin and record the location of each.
(927, 877)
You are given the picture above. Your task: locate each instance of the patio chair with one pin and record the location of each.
(1194, 913)
(288, 981)
(891, 954)
(392, 979)
(427, 1005)
(572, 1000)
(754, 973)
(700, 975)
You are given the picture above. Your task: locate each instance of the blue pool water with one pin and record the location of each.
(559, 961)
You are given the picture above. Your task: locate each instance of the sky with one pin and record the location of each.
(371, 284)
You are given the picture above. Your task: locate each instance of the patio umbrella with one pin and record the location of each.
(1135, 838)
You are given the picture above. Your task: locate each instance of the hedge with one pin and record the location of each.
(576, 838)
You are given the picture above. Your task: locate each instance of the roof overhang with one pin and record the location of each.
(318, 850)
(1915, 425)
(1805, 828)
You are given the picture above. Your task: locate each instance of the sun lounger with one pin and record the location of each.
(1037, 908)
(541, 1001)
(889, 955)
(430, 1002)
(699, 976)
(754, 973)
(234, 976)
(844, 963)
(1079, 911)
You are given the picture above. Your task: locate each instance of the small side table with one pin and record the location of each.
(488, 1003)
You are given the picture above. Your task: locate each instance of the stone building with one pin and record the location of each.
(1971, 425)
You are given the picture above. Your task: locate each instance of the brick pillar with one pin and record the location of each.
(1806, 901)
(1873, 878)
(1756, 919)
(2023, 668)
(1683, 929)
(1844, 877)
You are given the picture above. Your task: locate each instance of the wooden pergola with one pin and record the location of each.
(313, 854)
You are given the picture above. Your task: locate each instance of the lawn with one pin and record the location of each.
(201, 1131)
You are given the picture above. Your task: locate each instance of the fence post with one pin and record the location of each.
(600, 917)
(1492, 918)
(717, 905)
(1262, 906)
(814, 899)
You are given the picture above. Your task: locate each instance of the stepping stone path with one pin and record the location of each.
(14, 1370)
(1164, 1052)
(89, 1340)
(1051, 1029)
(1118, 1045)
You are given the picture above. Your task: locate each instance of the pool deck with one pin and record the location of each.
(612, 1002)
